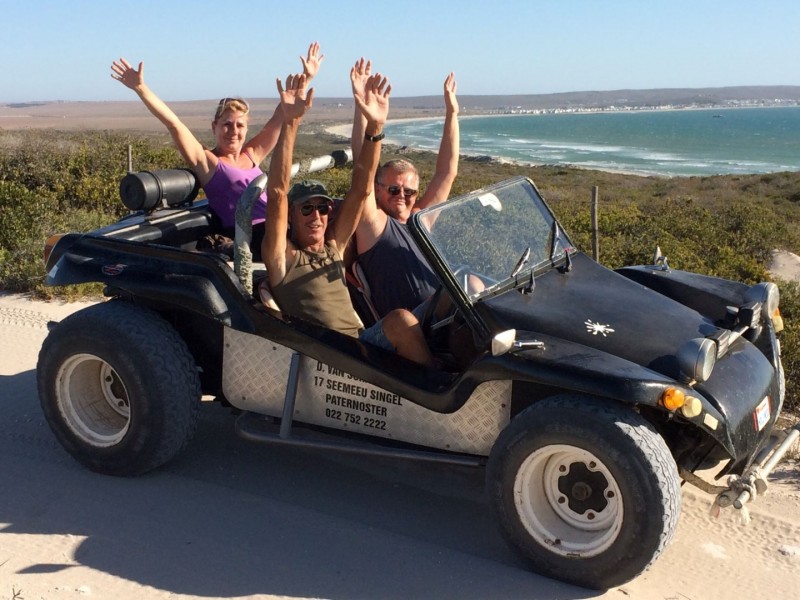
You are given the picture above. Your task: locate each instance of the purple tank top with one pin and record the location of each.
(226, 186)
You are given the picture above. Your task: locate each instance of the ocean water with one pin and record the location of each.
(664, 142)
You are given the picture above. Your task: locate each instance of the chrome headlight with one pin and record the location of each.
(767, 294)
(696, 360)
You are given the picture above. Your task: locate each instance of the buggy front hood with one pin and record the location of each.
(603, 310)
(598, 308)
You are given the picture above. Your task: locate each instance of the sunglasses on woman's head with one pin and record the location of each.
(323, 209)
(225, 101)
(396, 190)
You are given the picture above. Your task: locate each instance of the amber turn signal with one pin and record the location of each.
(672, 399)
(777, 320)
(50, 244)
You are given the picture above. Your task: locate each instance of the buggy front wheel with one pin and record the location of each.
(584, 490)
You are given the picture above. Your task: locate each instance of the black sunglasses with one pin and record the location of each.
(307, 209)
(396, 190)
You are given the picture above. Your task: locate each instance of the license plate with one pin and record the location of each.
(761, 414)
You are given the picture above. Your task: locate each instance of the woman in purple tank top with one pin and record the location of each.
(226, 170)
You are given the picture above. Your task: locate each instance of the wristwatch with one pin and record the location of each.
(374, 138)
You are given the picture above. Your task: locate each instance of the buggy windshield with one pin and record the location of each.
(495, 238)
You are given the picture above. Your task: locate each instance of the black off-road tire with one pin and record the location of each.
(585, 490)
(119, 388)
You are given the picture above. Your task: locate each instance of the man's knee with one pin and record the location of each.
(398, 322)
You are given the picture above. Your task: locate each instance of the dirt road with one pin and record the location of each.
(233, 519)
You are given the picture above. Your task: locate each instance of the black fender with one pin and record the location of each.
(708, 295)
(195, 281)
(562, 366)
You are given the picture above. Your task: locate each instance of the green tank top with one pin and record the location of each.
(314, 289)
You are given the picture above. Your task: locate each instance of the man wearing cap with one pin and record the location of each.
(305, 270)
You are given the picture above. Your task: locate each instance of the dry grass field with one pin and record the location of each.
(197, 114)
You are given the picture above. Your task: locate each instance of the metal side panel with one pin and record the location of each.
(256, 371)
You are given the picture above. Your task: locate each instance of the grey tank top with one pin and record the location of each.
(314, 289)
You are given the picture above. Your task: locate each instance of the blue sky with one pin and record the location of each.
(198, 49)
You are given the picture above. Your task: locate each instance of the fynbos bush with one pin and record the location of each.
(53, 182)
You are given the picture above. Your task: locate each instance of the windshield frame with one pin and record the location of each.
(519, 197)
(531, 225)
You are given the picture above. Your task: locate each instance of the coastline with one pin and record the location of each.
(332, 117)
(661, 157)
(343, 131)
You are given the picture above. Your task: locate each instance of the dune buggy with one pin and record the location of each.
(587, 394)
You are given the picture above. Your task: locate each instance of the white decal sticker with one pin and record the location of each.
(710, 421)
(595, 328)
(762, 414)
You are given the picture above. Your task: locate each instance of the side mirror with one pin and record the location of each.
(503, 342)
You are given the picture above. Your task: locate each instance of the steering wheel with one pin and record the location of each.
(428, 318)
(430, 311)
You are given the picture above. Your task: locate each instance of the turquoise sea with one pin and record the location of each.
(663, 142)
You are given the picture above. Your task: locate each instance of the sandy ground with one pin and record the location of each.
(785, 265)
(234, 519)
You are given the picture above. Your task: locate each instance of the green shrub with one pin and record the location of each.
(790, 342)
(55, 182)
(24, 216)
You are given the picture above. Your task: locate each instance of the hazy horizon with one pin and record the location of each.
(793, 93)
(192, 49)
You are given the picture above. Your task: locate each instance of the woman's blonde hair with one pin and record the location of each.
(237, 104)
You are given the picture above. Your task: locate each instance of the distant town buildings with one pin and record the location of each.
(520, 110)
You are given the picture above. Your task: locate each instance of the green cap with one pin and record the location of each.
(307, 189)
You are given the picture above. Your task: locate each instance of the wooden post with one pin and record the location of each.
(130, 159)
(595, 240)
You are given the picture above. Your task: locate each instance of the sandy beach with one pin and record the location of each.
(234, 519)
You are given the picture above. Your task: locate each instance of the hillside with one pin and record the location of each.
(132, 115)
(727, 96)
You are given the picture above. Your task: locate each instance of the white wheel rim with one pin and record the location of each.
(93, 400)
(568, 501)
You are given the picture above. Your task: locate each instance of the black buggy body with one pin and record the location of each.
(587, 394)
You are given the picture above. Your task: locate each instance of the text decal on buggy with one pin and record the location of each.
(351, 401)
(333, 398)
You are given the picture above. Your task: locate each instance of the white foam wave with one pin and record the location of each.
(643, 155)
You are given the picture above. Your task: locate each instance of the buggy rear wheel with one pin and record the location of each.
(119, 388)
